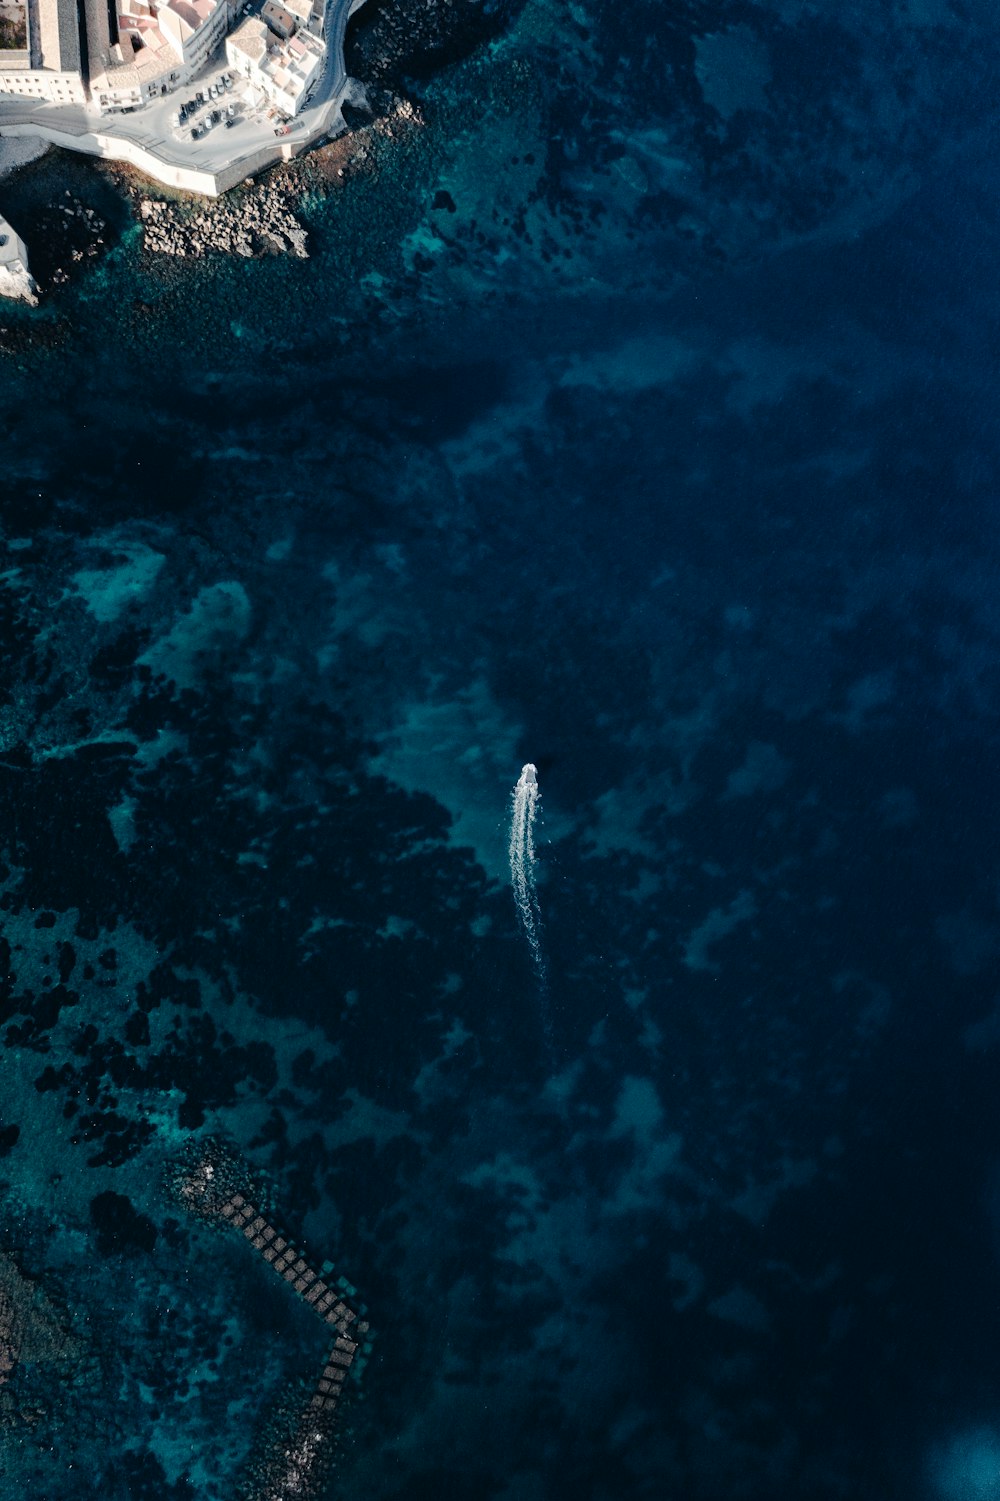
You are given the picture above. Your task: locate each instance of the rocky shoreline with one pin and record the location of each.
(396, 43)
(261, 222)
(260, 218)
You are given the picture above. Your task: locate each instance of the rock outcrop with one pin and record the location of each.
(16, 280)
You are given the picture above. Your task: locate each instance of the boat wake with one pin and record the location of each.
(524, 807)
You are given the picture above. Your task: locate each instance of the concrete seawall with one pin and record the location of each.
(193, 179)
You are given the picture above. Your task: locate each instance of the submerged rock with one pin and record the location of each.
(32, 1329)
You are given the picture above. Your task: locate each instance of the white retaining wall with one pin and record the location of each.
(193, 179)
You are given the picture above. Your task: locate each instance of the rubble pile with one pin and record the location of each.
(256, 222)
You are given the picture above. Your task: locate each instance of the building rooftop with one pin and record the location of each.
(290, 65)
(129, 66)
(279, 17)
(59, 35)
(193, 13)
(250, 39)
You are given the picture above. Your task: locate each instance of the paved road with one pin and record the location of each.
(220, 149)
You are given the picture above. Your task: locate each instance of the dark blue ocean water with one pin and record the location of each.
(636, 417)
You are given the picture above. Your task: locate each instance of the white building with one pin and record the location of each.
(291, 69)
(195, 28)
(161, 44)
(18, 77)
(128, 51)
(283, 68)
(246, 49)
(309, 14)
(50, 67)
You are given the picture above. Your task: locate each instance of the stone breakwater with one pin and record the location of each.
(259, 222)
(214, 1186)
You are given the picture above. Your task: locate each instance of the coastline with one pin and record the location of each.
(205, 219)
(70, 211)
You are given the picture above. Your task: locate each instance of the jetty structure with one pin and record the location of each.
(197, 94)
(214, 1186)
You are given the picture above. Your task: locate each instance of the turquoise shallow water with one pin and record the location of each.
(633, 417)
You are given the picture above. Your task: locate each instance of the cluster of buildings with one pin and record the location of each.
(282, 53)
(120, 55)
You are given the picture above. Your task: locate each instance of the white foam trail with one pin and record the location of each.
(524, 806)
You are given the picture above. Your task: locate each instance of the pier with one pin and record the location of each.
(213, 1187)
